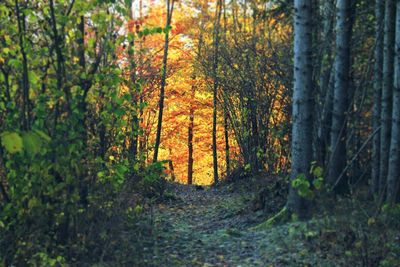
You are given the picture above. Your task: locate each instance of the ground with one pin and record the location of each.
(213, 227)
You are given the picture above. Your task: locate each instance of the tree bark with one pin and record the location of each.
(227, 149)
(170, 8)
(133, 146)
(25, 73)
(340, 102)
(387, 90)
(394, 159)
(378, 54)
(190, 136)
(215, 88)
(302, 104)
(325, 82)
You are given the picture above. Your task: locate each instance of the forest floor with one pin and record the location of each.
(213, 227)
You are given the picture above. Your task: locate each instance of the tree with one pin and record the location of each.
(378, 54)
(218, 11)
(387, 90)
(133, 87)
(170, 9)
(340, 96)
(302, 105)
(324, 107)
(394, 158)
(21, 22)
(190, 134)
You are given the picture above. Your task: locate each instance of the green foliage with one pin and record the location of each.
(304, 187)
(151, 31)
(153, 182)
(12, 142)
(67, 169)
(31, 142)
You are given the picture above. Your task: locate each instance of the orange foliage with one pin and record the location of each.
(178, 96)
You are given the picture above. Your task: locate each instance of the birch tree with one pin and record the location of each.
(387, 89)
(302, 104)
(394, 159)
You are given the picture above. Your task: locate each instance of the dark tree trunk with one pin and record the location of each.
(378, 54)
(170, 8)
(190, 137)
(215, 88)
(25, 73)
(338, 160)
(227, 149)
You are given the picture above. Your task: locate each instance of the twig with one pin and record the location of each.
(355, 156)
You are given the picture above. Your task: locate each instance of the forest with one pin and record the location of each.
(200, 133)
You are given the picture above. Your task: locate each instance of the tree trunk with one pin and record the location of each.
(302, 104)
(25, 73)
(394, 159)
(133, 144)
(227, 149)
(170, 8)
(342, 69)
(190, 137)
(387, 89)
(325, 82)
(215, 88)
(378, 54)
(171, 169)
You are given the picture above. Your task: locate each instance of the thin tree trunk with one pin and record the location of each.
(387, 89)
(3, 177)
(227, 149)
(142, 143)
(170, 8)
(133, 144)
(394, 159)
(325, 74)
(340, 96)
(378, 54)
(60, 58)
(302, 104)
(226, 112)
(25, 74)
(190, 136)
(215, 88)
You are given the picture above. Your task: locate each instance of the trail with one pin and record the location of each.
(207, 227)
(212, 227)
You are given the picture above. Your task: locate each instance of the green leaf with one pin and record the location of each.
(318, 183)
(318, 171)
(32, 143)
(247, 167)
(33, 202)
(12, 142)
(120, 170)
(119, 112)
(159, 30)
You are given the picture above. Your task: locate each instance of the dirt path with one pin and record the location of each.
(206, 228)
(212, 227)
